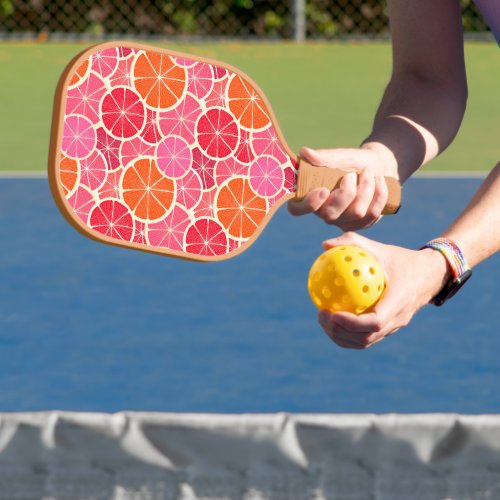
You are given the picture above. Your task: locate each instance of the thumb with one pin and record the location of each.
(348, 159)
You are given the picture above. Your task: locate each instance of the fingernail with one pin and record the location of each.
(323, 194)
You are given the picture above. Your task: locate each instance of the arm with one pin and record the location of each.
(415, 277)
(418, 117)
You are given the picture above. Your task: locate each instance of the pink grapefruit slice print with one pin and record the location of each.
(82, 202)
(169, 232)
(85, 98)
(105, 61)
(181, 120)
(266, 176)
(93, 170)
(78, 137)
(200, 78)
(189, 189)
(173, 156)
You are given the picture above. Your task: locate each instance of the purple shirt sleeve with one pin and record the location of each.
(490, 9)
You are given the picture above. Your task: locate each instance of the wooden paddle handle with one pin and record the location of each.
(312, 177)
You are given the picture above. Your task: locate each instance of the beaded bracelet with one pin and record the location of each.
(459, 267)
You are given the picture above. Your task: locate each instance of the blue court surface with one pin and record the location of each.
(90, 327)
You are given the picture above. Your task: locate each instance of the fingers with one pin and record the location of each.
(359, 200)
(310, 204)
(355, 332)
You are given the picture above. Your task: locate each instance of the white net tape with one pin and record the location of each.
(155, 456)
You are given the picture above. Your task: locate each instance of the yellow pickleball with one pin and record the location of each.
(346, 278)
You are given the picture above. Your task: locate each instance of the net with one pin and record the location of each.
(159, 456)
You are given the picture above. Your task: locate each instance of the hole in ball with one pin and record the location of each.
(366, 289)
(356, 273)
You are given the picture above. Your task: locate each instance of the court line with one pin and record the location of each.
(33, 174)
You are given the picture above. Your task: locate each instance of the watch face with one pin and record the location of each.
(451, 288)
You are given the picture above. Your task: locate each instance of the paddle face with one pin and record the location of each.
(164, 152)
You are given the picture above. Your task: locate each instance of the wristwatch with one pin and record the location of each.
(460, 270)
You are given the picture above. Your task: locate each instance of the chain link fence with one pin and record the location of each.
(283, 19)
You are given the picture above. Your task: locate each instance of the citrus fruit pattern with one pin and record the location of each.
(169, 153)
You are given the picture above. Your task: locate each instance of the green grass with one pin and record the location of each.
(324, 95)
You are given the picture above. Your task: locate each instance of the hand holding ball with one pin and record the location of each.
(346, 278)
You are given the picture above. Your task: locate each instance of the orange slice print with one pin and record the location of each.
(239, 209)
(159, 80)
(246, 104)
(68, 173)
(146, 191)
(79, 73)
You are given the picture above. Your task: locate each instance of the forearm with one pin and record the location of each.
(416, 121)
(477, 230)
(424, 103)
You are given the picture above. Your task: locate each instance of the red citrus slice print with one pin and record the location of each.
(80, 73)
(226, 169)
(122, 112)
(109, 147)
(219, 72)
(85, 98)
(206, 237)
(200, 78)
(82, 202)
(93, 170)
(246, 104)
(173, 156)
(244, 153)
(68, 174)
(189, 189)
(150, 132)
(217, 133)
(266, 176)
(134, 149)
(78, 137)
(181, 120)
(105, 61)
(169, 232)
(266, 142)
(111, 186)
(239, 209)
(290, 179)
(112, 219)
(204, 167)
(125, 52)
(159, 81)
(140, 233)
(146, 191)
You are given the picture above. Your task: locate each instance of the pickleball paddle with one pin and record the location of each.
(172, 153)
